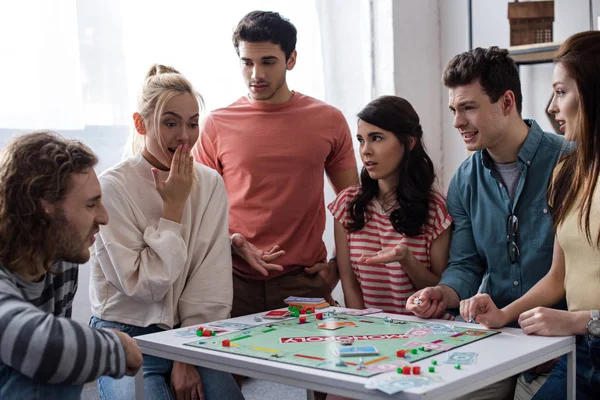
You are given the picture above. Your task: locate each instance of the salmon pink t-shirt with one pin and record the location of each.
(273, 158)
(387, 286)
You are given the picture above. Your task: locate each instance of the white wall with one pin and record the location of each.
(454, 40)
(417, 67)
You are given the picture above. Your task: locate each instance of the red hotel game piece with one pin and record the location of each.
(226, 343)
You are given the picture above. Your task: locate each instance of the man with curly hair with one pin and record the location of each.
(50, 209)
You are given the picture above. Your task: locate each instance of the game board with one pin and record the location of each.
(307, 345)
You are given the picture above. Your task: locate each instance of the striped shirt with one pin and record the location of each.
(40, 341)
(387, 286)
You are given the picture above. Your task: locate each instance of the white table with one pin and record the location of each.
(500, 356)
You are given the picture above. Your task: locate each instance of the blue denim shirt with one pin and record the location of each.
(480, 204)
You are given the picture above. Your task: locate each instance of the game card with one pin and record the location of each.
(413, 344)
(366, 311)
(462, 358)
(185, 333)
(419, 332)
(356, 351)
(440, 329)
(402, 383)
(231, 325)
(333, 325)
(387, 367)
(278, 314)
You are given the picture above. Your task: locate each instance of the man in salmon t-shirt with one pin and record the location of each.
(272, 148)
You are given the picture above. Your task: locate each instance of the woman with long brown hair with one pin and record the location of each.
(392, 232)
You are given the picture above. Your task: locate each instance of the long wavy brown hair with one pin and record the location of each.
(580, 56)
(35, 167)
(417, 175)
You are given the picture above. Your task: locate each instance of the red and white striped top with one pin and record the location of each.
(387, 286)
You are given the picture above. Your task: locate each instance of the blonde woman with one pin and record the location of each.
(165, 260)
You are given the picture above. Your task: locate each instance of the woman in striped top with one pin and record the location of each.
(391, 231)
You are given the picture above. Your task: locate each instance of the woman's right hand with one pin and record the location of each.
(176, 189)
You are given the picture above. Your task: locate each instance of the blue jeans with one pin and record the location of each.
(587, 376)
(216, 385)
(14, 385)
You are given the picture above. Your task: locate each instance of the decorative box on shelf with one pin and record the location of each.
(530, 22)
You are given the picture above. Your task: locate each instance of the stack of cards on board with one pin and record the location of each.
(316, 302)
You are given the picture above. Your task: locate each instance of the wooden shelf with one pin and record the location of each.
(534, 53)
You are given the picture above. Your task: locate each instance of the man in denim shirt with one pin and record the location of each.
(503, 234)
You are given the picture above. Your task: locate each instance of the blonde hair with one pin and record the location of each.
(161, 85)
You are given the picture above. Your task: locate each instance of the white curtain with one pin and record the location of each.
(40, 70)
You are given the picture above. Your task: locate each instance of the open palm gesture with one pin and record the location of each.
(258, 259)
(386, 256)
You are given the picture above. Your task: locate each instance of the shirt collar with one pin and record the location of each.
(528, 150)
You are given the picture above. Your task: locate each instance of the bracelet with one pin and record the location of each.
(333, 258)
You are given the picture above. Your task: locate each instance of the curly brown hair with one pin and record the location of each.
(35, 167)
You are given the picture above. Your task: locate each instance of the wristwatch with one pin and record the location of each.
(593, 327)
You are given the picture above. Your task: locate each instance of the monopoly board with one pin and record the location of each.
(329, 343)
